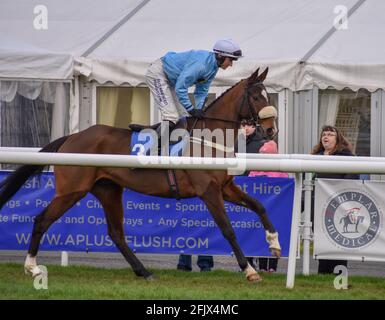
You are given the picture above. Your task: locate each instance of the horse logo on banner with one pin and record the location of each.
(352, 208)
(353, 218)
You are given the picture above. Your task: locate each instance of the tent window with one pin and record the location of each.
(32, 113)
(25, 122)
(120, 106)
(350, 112)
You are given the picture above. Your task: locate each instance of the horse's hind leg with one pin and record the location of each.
(213, 199)
(58, 206)
(234, 194)
(110, 196)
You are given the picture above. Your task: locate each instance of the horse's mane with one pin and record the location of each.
(223, 93)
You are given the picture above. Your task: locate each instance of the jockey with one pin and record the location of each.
(170, 77)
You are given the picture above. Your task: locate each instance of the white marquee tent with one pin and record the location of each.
(114, 41)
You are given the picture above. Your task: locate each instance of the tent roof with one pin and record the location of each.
(73, 26)
(116, 43)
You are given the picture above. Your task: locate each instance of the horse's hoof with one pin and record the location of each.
(255, 277)
(275, 252)
(150, 277)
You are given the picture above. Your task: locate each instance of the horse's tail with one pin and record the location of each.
(14, 181)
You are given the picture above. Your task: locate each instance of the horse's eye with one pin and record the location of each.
(256, 98)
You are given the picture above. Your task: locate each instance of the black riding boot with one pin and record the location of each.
(164, 136)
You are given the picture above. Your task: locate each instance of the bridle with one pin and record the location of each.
(254, 115)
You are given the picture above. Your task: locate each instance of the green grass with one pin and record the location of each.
(77, 282)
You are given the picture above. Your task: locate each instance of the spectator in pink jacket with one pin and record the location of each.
(268, 264)
(269, 147)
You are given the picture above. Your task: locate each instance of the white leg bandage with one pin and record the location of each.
(30, 266)
(272, 240)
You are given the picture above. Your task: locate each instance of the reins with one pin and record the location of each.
(220, 119)
(254, 116)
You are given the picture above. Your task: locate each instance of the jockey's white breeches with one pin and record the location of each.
(165, 98)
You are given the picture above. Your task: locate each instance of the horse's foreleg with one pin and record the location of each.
(58, 206)
(213, 199)
(110, 196)
(234, 194)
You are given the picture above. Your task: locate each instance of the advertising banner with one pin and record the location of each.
(349, 220)
(152, 224)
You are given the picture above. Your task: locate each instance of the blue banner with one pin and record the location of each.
(152, 224)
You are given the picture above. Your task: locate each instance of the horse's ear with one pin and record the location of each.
(254, 77)
(263, 75)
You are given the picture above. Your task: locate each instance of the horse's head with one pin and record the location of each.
(255, 96)
(256, 99)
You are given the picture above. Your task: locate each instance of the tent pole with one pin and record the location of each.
(115, 27)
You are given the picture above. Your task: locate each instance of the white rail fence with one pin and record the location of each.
(294, 163)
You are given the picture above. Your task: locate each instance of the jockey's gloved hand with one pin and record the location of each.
(197, 113)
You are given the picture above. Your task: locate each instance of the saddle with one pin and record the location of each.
(176, 149)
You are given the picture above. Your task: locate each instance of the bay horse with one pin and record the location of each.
(243, 100)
